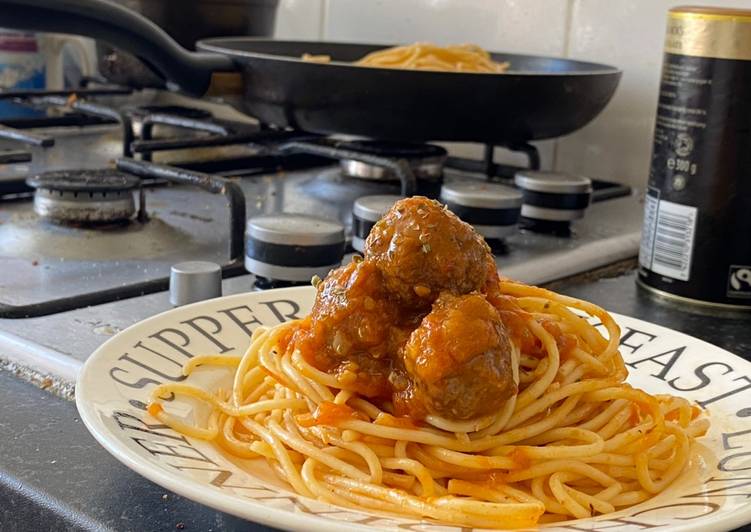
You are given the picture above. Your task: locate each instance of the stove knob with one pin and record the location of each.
(194, 281)
(366, 211)
(293, 247)
(492, 209)
(552, 200)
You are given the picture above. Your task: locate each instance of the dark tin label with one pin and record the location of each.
(696, 241)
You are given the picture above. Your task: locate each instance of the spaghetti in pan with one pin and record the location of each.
(427, 56)
(422, 384)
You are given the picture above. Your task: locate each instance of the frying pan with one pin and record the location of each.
(537, 98)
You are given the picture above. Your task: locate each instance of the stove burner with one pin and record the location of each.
(292, 247)
(425, 160)
(85, 196)
(84, 180)
(492, 209)
(552, 200)
(174, 110)
(402, 150)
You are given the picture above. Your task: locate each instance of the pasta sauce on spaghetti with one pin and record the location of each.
(424, 385)
(409, 323)
(427, 56)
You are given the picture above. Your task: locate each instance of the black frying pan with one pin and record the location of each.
(537, 98)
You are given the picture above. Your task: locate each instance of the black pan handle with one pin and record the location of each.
(122, 28)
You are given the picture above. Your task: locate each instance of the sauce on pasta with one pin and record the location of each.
(427, 56)
(422, 384)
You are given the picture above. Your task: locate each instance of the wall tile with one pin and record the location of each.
(521, 26)
(625, 33)
(496, 24)
(628, 34)
(299, 19)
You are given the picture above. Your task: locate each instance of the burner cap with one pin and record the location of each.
(426, 160)
(366, 211)
(175, 110)
(553, 197)
(492, 209)
(84, 181)
(481, 195)
(84, 196)
(293, 247)
(553, 182)
(401, 150)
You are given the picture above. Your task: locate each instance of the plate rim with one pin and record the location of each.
(271, 516)
(171, 480)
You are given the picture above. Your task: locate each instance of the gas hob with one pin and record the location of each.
(69, 284)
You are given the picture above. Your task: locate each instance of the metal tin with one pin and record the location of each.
(696, 243)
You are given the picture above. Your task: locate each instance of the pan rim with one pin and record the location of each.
(219, 45)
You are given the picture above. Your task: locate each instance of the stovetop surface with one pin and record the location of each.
(42, 261)
(63, 341)
(98, 145)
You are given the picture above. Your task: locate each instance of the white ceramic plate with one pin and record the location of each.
(117, 378)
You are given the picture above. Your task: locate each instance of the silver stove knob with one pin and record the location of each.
(194, 281)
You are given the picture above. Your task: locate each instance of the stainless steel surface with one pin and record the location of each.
(60, 343)
(707, 306)
(294, 274)
(358, 244)
(293, 229)
(105, 142)
(98, 146)
(497, 232)
(42, 261)
(371, 208)
(552, 215)
(193, 281)
(481, 195)
(91, 207)
(293, 232)
(553, 182)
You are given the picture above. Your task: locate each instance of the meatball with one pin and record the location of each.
(352, 330)
(422, 249)
(458, 361)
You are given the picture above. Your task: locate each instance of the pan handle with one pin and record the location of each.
(123, 28)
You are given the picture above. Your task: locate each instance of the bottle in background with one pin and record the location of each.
(696, 238)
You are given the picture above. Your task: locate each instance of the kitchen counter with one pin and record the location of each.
(54, 476)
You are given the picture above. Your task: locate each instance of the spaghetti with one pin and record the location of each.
(427, 56)
(574, 440)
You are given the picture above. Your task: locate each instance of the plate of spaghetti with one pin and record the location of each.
(416, 388)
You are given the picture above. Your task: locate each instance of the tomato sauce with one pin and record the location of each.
(401, 422)
(411, 322)
(333, 414)
(566, 342)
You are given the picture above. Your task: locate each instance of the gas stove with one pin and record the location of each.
(104, 189)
